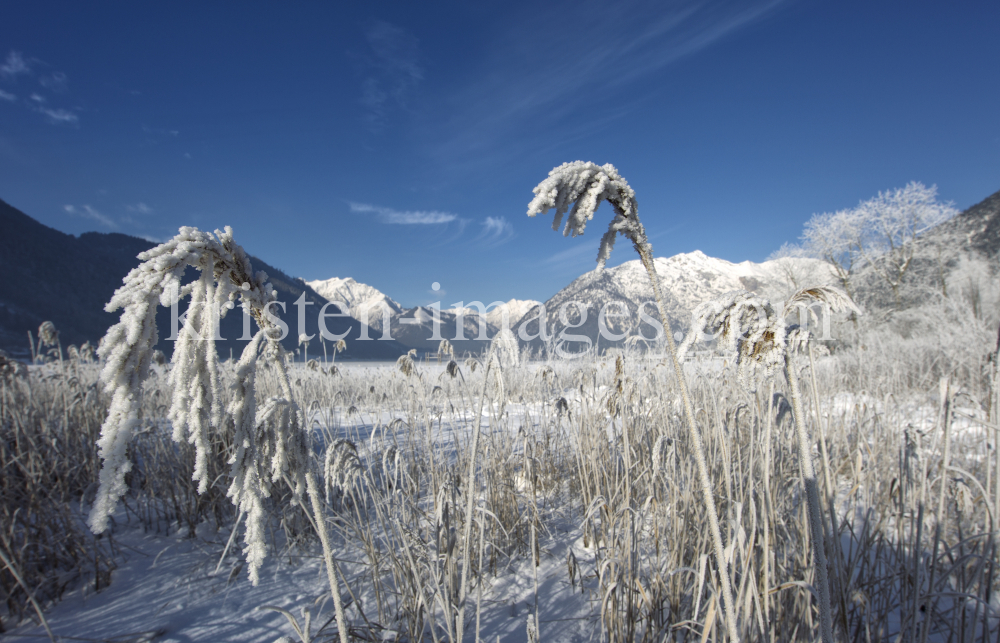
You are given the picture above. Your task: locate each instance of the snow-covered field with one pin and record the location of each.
(589, 459)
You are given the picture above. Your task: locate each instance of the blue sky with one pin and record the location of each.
(398, 142)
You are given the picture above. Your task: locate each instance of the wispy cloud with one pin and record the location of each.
(405, 217)
(140, 208)
(88, 212)
(56, 82)
(59, 116)
(496, 230)
(391, 69)
(574, 256)
(14, 65)
(564, 59)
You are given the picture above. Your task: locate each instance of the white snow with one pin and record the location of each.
(355, 298)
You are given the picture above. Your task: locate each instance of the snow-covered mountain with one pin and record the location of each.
(415, 327)
(354, 298)
(515, 310)
(686, 281)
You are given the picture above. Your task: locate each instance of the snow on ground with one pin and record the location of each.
(165, 589)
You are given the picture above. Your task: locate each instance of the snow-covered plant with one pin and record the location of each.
(662, 451)
(270, 444)
(262, 442)
(128, 347)
(749, 326)
(880, 232)
(304, 343)
(10, 368)
(406, 365)
(87, 352)
(390, 464)
(583, 186)
(341, 466)
(505, 348)
(445, 349)
(47, 334)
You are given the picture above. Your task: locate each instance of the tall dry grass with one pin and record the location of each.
(589, 457)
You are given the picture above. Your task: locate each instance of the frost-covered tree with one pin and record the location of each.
(893, 221)
(880, 232)
(836, 237)
(270, 442)
(785, 260)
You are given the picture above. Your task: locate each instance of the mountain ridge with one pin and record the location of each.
(54, 276)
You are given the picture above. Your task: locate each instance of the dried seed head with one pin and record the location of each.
(452, 368)
(583, 186)
(10, 368)
(963, 497)
(390, 462)
(745, 324)
(445, 499)
(48, 334)
(623, 392)
(661, 453)
(504, 347)
(796, 338)
(341, 465)
(87, 352)
(406, 365)
(836, 300)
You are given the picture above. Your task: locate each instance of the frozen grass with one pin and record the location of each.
(583, 470)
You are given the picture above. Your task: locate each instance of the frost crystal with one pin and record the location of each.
(748, 325)
(48, 334)
(583, 186)
(745, 324)
(268, 446)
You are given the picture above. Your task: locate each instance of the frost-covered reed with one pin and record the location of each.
(583, 186)
(578, 483)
